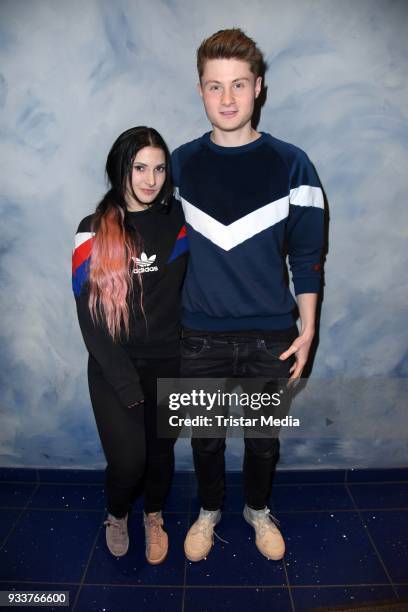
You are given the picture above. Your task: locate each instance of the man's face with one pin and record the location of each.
(228, 89)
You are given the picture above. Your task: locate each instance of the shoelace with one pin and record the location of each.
(118, 527)
(153, 530)
(220, 538)
(204, 526)
(263, 522)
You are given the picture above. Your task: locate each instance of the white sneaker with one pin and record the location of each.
(117, 538)
(200, 536)
(269, 540)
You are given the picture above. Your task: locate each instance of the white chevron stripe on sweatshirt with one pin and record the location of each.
(229, 236)
(305, 195)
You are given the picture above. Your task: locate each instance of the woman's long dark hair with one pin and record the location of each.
(113, 250)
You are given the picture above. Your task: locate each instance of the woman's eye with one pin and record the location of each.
(139, 168)
(161, 169)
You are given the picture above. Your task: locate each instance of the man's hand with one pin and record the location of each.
(300, 348)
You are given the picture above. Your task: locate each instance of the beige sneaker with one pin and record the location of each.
(199, 539)
(117, 538)
(157, 541)
(269, 540)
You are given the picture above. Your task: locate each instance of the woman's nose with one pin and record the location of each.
(151, 178)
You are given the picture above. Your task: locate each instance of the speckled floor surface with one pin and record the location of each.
(346, 535)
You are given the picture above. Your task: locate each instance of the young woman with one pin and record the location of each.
(128, 267)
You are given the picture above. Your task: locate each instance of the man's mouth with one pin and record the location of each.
(230, 113)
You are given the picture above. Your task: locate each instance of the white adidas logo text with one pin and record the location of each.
(144, 264)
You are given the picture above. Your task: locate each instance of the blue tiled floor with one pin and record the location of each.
(346, 538)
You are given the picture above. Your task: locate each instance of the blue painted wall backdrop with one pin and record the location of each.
(74, 75)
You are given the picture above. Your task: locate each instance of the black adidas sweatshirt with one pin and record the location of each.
(161, 267)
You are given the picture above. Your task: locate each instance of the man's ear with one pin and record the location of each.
(200, 89)
(258, 86)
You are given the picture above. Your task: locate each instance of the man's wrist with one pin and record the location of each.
(307, 332)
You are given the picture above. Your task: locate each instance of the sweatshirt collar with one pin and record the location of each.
(233, 150)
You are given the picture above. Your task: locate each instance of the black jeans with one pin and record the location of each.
(216, 355)
(137, 460)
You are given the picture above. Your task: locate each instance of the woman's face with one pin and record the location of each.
(148, 176)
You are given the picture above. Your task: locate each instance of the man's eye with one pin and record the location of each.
(239, 85)
(214, 87)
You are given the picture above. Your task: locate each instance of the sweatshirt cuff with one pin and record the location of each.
(131, 394)
(307, 285)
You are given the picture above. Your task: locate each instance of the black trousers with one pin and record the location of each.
(137, 460)
(216, 356)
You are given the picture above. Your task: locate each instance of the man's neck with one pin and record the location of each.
(236, 138)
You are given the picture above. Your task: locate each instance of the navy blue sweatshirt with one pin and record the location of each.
(247, 207)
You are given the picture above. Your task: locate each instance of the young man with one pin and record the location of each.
(248, 199)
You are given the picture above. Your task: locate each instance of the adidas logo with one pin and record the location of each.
(144, 264)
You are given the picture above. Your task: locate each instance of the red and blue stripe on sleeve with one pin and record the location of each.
(181, 245)
(81, 256)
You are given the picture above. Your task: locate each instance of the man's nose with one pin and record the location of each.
(227, 97)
